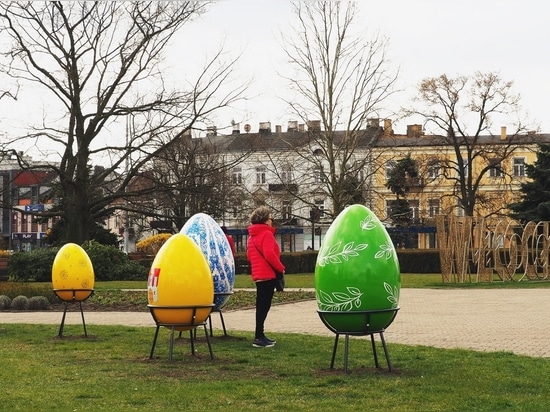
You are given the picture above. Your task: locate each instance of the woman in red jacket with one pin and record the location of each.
(264, 256)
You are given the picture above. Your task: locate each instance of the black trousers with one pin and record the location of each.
(264, 296)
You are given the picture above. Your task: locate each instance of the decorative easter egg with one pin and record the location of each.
(208, 235)
(357, 271)
(180, 285)
(72, 274)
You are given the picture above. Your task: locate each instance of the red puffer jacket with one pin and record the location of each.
(262, 238)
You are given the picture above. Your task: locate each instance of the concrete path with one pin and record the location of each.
(512, 320)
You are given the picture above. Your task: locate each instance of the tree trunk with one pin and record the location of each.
(77, 216)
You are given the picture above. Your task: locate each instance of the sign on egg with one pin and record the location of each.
(180, 276)
(72, 274)
(357, 270)
(208, 235)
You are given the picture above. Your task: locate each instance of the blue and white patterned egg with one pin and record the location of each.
(213, 243)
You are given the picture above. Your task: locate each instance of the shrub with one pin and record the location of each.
(5, 302)
(20, 303)
(152, 244)
(38, 303)
(112, 264)
(35, 265)
(108, 262)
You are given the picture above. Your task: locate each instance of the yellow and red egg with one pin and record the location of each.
(180, 283)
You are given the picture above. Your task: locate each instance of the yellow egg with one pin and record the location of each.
(72, 274)
(179, 280)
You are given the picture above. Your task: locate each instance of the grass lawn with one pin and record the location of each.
(111, 370)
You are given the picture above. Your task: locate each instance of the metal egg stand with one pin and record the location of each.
(72, 296)
(218, 309)
(190, 324)
(366, 330)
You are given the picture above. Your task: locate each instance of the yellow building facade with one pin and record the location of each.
(495, 176)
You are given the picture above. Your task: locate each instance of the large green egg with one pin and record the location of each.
(357, 271)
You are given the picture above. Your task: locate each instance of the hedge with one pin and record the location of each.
(410, 261)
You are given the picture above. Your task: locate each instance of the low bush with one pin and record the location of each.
(5, 302)
(20, 303)
(38, 303)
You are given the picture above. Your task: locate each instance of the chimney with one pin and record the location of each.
(414, 130)
(292, 126)
(503, 133)
(314, 125)
(388, 131)
(373, 122)
(265, 127)
(211, 131)
(278, 129)
(236, 129)
(301, 127)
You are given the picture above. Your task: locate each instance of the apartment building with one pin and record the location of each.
(276, 170)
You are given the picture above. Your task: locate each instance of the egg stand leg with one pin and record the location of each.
(65, 304)
(171, 343)
(222, 321)
(193, 336)
(62, 320)
(346, 350)
(385, 351)
(154, 342)
(334, 350)
(83, 322)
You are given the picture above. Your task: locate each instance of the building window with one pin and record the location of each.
(237, 176)
(319, 175)
(390, 165)
(496, 170)
(286, 174)
(464, 168)
(260, 175)
(433, 169)
(287, 210)
(519, 166)
(415, 206)
(320, 206)
(433, 207)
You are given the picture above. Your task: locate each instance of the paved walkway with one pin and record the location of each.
(512, 320)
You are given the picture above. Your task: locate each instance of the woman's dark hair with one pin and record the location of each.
(260, 215)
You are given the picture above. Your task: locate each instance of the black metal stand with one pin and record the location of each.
(219, 310)
(190, 325)
(366, 331)
(62, 294)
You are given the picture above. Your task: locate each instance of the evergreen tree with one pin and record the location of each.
(535, 198)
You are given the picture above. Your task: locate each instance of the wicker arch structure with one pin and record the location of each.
(483, 250)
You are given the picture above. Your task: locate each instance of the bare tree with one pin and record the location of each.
(99, 63)
(461, 112)
(340, 80)
(190, 176)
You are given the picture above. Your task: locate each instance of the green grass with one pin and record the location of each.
(111, 370)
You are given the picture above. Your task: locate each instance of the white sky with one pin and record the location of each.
(427, 38)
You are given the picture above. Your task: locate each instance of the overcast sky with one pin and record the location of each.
(427, 38)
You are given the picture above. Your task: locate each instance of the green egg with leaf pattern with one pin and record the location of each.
(357, 275)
